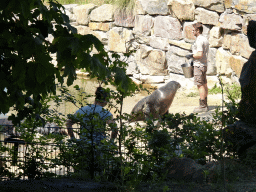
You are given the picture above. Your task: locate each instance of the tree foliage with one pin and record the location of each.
(26, 70)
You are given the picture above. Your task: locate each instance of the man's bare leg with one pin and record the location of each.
(203, 92)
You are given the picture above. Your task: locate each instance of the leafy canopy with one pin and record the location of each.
(26, 70)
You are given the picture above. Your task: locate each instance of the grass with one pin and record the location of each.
(234, 90)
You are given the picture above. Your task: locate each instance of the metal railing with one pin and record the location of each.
(16, 160)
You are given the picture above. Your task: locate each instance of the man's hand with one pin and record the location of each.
(189, 56)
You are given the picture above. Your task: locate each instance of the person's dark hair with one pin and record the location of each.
(251, 33)
(198, 26)
(101, 94)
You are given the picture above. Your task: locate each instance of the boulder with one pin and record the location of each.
(151, 61)
(102, 36)
(239, 45)
(175, 58)
(246, 18)
(184, 169)
(222, 61)
(151, 7)
(216, 37)
(124, 18)
(143, 24)
(83, 30)
(103, 13)
(248, 6)
(182, 9)
(167, 27)
(206, 17)
(159, 43)
(187, 32)
(69, 11)
(82, 13)
(239, 137)
(120, 39)
(181, 44)
(211, 65)
(141, 38)
(100, 26)
(236, 63)
(230, 21)
(214, 5)
(147, 79)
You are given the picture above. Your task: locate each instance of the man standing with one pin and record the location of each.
(200, 50)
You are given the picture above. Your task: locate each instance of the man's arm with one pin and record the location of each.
(69, 124)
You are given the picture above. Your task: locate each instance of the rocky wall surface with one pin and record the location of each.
(160, 32)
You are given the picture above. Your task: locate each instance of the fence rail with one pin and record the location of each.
(15, 158)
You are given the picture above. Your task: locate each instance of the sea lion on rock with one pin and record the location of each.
(156, 104)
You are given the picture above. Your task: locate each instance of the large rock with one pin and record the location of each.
(132, 67)
(187, 31)
(175, 58)
(246, 19)
(151, 7)
(151, 61)
(143, 24)
(119, 39)
(141, 38)
(182, 9)
(167, 27)
(124, 18)
(159, 43)
(211, 65)
(82, 13)
(103, 13)
(102, 36)
(222, 61)
(100, 26)
(184, 169)
(248, 6)
(226, 44)
(216, 37)
(240, 136)
(186, 83)
(231, 21)
(181, 44)
(240, 45)
(69, 11)
(236, 63)
(148, 79)
(206, 17)
(214, 5)
(83, 30)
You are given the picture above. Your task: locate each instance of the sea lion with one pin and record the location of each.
(156, 104)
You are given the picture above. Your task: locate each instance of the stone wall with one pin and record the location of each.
(160, 32)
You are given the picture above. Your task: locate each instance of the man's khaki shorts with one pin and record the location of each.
(200, 75)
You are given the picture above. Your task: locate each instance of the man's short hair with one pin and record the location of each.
(198, 26)
(101, 94)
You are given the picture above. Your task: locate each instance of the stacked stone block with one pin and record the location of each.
(160, 32)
